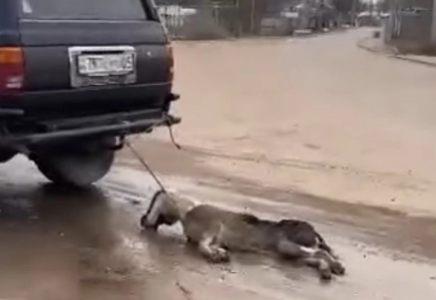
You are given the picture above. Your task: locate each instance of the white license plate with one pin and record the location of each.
(105, 64)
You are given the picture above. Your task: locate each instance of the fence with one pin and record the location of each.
(203, 19)
(409, 27)
(198, 19)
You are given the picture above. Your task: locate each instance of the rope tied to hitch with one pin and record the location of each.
(146, 166)
(168, 121)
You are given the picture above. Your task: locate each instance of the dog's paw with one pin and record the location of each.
(224, 255)
(338, 269)
(219, 255)
(325, 275)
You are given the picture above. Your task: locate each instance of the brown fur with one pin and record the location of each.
(216, 232)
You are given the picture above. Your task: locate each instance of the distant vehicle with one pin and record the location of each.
(368, 18)
(76, 77)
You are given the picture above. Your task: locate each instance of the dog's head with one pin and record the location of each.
(162, 210)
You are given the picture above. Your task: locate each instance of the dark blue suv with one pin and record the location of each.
(76, 77)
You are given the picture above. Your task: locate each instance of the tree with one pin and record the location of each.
(344, 6)
(384, 5)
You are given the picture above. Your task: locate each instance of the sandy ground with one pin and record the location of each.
(317, 115)
(310, 128)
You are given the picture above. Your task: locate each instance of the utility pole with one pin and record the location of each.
(252, 16)
(354, 12)
(433, 26)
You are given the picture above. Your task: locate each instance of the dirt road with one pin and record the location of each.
(315, 114)
(308, 128)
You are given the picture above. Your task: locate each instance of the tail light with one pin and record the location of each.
(11, 69)
(170, 56)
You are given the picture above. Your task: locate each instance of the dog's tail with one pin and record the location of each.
(165, 209)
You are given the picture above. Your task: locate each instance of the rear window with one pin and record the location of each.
(83, 9)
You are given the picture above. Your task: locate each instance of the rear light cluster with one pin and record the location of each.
(170, 56)
(11, 69)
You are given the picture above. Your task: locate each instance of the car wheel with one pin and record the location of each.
(79, 166)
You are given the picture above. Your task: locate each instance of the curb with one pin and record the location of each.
(416, 61)
(361, 45)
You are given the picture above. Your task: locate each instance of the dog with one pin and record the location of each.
(216, 232)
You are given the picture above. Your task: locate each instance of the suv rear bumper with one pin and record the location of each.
(118, 124)
(49, 104)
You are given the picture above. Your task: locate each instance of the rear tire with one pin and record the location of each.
(77, 166)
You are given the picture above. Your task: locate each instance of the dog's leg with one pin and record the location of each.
(336, 267)
(321, 265)
(308, 256)
(210, 245)
(322, 244)
(212, 251)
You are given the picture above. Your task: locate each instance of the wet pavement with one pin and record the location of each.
(59, 244)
